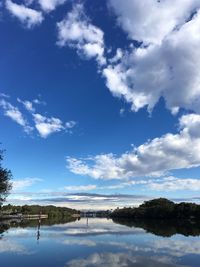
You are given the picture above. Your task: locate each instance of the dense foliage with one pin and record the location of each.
(160, 208)
(5, 177)
(51, 210)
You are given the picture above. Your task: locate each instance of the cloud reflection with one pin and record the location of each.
(119, 260)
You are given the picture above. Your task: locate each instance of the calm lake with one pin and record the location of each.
(98, 242)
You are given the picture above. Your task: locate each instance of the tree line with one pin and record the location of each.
(50, 210)
(160, 208)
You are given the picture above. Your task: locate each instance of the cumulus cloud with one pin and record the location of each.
(24, 183)
(50, 5)
(76, 31)
(169, 152)
(151, 21)
(29, 17)
(15, 114)
(166, 63)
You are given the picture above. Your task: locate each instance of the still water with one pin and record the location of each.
(98, 242)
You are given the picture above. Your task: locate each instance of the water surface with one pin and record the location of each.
(98, 242)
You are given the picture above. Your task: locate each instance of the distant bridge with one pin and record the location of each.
(90, 214)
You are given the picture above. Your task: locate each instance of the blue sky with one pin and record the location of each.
(99, 106)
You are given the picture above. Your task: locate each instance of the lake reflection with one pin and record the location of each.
(98, 242)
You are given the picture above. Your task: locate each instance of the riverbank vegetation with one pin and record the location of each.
(160, 208)
(5, 180)
(51, 211)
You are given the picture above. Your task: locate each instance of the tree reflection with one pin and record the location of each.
(3, 227)
(165, 228)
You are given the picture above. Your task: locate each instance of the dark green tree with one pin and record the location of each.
(5, 180)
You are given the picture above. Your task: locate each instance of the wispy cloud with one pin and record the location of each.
(78, 200)
(28, 17)
(172, 183)
(46, 126)
(3, 95)
(15, 114)
(70, 124)
(78, 188)
(22, 184)
(27, 104)
(87, 200)
(43, 124)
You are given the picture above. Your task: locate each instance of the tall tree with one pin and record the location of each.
(5, 180)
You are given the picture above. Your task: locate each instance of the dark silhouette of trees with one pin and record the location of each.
(5, 178)
(160, 208)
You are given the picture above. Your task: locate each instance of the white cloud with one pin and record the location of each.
(177, 248)
(15, 114)
(80, 187)
(77, 200)
(154, 158)
(150, 21)
(24, 183)
(167, 64)
(50, 5)
(4, 95)
(174, 184)
(76, 31)
(46, 126)
(70, 124)
(116, 186)
(27, 104)
(39, 102)
(121, 259)
(26, 15)
(84, 242)
(9, 246)
(121, 112)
